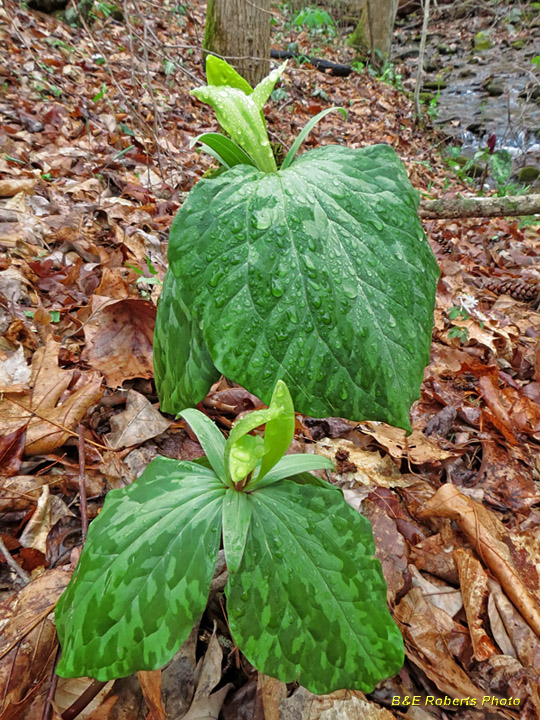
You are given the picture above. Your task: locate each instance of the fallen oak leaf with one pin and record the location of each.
(485, 533)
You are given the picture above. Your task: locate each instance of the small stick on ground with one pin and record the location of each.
(82, 485)
(13, 564)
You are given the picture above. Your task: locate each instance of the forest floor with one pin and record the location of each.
(95, 162)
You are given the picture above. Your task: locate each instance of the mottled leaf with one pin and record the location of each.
(308, 601)
(144, 573)
(319, 275)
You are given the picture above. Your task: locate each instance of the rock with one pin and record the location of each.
(528, 174)
(431, 65)
(482, 41)
(475, 127)
(435, 84)
(445, 49)
(494, 89)
(467, 73)
(427, 96)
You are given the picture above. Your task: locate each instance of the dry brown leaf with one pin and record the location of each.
(272, 692)
(444, 597)
(119, 339)
(207, 705)
(54, 407)
(474, 589)
(150, 681)
(14, 372)
(486, 534)
(525, 643)
(28, 642)
(140, 421)
(69, 690)
(355, 708)
(361, 466)
(418, 448)
(426, 631)
(20, 492)
(11, 186)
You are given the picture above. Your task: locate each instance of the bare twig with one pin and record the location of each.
(82, 485)
(12, 564)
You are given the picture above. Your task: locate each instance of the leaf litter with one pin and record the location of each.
(94, 168)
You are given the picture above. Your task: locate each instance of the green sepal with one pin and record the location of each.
(279, 431)
(305, 132)
(219, 72)
(212, 441)
(240, 116)
(144, 573)
(223, 149)
(295, 467)
(244, 455)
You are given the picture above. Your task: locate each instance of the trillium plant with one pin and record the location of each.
(306, 600)
(317, 275)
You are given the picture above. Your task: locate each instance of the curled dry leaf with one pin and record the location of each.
(119, 339)
(11, 186)
(140, 421)
(150, 681)
(474, 589)
(444, 597)
(55, 405)
(525, 644)
(507, 481)
(486, 534)
(427, 631)
(416, 447)
(28, 643)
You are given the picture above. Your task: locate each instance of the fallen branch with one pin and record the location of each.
(464, 207)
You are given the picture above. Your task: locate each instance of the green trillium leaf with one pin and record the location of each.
(319, 275)
(308, 600)
(236, 521)
(181, 359)
(144, 573)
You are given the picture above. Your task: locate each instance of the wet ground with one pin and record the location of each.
(482, 77)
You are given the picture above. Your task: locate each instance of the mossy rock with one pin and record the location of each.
(528, 174)
(482, 41)
(436, 84)
(494, 89)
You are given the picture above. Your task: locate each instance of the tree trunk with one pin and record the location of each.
(239, 31)
(373, 34)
